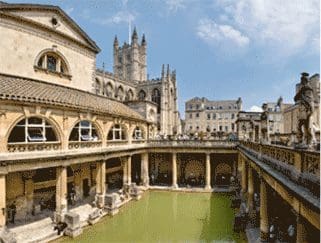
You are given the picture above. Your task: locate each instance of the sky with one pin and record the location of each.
(221, 49)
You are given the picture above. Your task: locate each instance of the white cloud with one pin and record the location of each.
(289, 24)
(211, 32)
(175, 5)
(255, 108)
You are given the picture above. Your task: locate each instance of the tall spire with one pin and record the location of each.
(134, 36)
(115, 41)
(163, 71)
(168, 71)
(144, 40)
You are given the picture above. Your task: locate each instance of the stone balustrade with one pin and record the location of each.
(192, 143)
(29, 147)
(84, 144)
(301, 166)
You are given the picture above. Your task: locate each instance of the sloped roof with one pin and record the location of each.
(34, 91)
(7, 7)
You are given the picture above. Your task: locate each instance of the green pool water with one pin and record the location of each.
(167, 217)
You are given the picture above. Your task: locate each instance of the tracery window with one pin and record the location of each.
(117, 132)
(52, 62)
(142, 95)
(84, 131)
(32, 129)
(156, 97)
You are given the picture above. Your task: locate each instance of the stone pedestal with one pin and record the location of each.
(94, 216)
(135, 192)
(174, 171)
(6, 236)
(73, 224)
(208, 172)
(112, 202)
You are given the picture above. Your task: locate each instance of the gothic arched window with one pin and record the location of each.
(156, 97)
(32, 129)
(120, 93)
(129, 95)
(142, 95)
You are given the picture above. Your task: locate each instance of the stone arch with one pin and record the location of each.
(123, 135)
(55, 125)
(56, 53)
(141, 95)
(120, 93)
(223, 173)
(97, 126)
(98, 88)
(129, 94)
(108, 89)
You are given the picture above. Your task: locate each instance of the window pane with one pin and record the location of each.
(17, 135)
(85, 123)
(110, 135)
(117, 135)
(51, 63)
(94, 135)
(34, 120)
(35, 134)
(50, 134)
(74, 136)
(40, 61)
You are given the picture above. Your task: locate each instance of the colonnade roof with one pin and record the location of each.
(20, 89)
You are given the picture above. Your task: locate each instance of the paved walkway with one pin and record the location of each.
(253, 235)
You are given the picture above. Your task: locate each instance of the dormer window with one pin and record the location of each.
(52, 62)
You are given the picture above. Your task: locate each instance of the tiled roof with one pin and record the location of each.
(34, 91)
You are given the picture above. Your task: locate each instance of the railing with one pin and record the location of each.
(84, 144)
(301, 166)
(192, 143)
(138, 141)
(117, 142)
(30, 147)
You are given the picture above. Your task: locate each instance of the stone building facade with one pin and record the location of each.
(211, 117)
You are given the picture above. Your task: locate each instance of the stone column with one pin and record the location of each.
(125, 171)
(100, 184)
(301, 231)
(129, 168)
(28, 181)
(2, 200)
(264, 220)
(250, 189)
(144, 170)
(78, 181)
(61, 193)
(174, 170)
(244, 182)
(208, 171)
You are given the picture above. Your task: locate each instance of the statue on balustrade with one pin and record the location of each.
(305, 100)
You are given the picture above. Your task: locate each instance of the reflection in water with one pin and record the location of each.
(167, 216)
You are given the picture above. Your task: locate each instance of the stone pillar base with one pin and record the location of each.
(112, 211)
(100, 201)
(95, 216)
(59, 217)
(7, 236)
(174, 186)
(208, 188)
(73, 224)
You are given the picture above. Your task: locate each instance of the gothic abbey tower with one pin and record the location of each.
(130, 59)
(129, 84)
